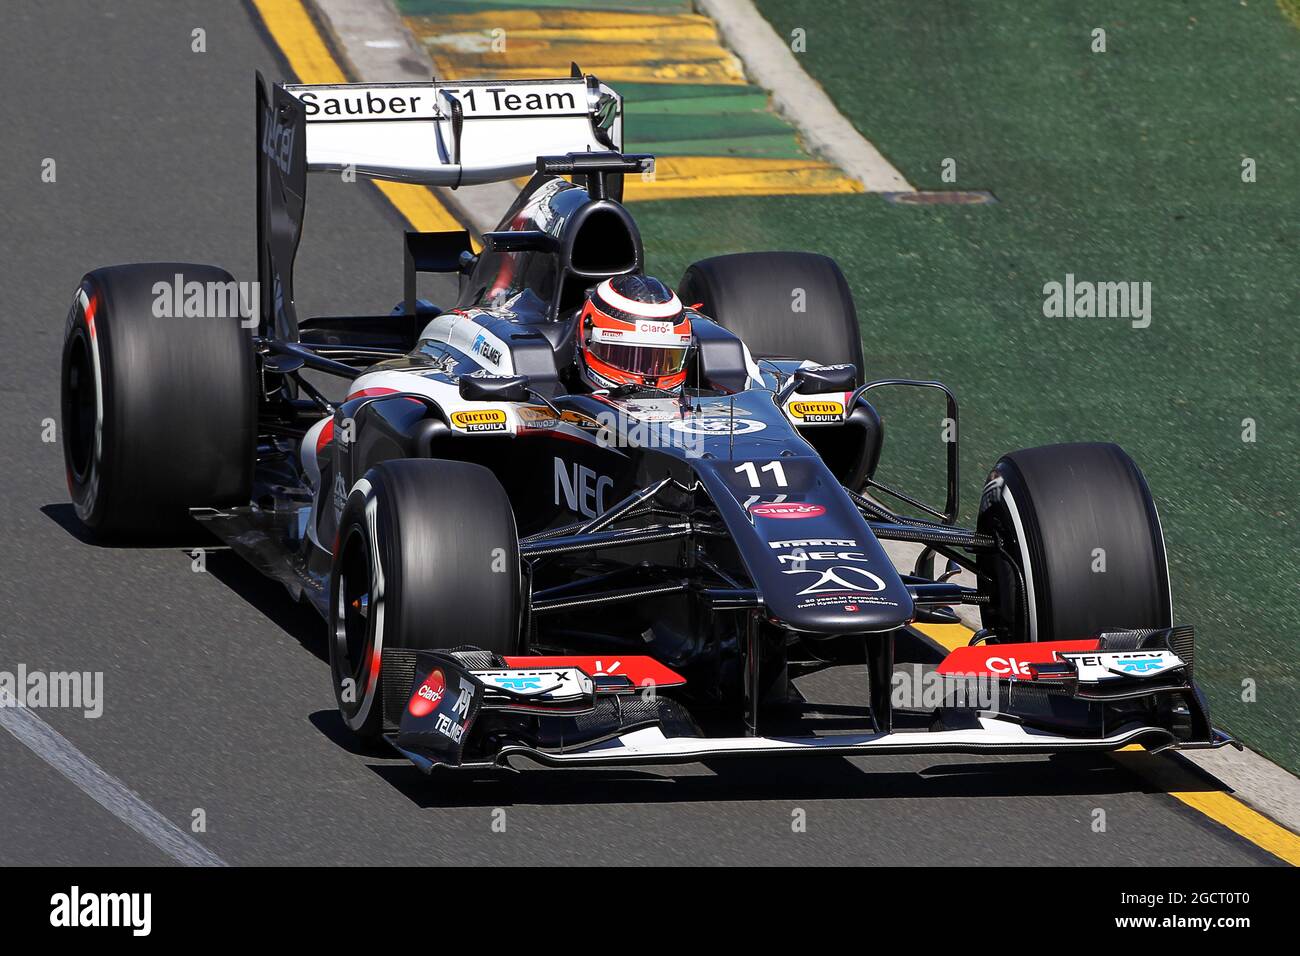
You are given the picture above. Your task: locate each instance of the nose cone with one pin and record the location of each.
(833, 584)
(810, 553)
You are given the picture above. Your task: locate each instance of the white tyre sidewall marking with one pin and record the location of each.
(97, 455)
(376, 608)
(1164, 553)
(1010, 502)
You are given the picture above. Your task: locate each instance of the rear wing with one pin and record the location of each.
(436, 133)
(456, 134)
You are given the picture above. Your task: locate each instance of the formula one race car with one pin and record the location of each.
(514, 560)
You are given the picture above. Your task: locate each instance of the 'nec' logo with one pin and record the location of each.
(581, 490)
(277, 141)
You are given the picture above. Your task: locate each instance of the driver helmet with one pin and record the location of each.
(633, 330)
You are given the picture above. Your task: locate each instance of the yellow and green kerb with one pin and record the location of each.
(686, 97)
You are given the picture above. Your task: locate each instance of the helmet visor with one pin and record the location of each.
(649, 360)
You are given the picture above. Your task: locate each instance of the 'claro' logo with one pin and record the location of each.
(480, 420)
(787, 510)
(428, 694)
(1008, 666)
(817, 411)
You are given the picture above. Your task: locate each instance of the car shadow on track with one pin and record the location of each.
(270, 599)
(331, 726)
(828, 778)
(65, 516)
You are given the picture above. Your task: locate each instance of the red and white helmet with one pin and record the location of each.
(634, 331)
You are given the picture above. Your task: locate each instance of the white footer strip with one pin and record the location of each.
(102, 787)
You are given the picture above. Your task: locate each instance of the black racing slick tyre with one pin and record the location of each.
(427, 558)
(159, 409)
(780, 304)
(1082, 548)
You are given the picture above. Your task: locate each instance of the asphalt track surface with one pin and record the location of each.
(217, 693)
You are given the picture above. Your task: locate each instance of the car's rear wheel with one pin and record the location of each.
(780, 304)
(794, 305)
(1083, 549)
(427, 559)
(158, 409)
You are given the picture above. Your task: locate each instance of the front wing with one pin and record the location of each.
(470, 709)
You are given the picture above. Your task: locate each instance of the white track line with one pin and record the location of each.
(102, 787)
(797, 96)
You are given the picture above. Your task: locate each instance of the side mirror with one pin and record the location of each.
(494, 388)
(819, 379)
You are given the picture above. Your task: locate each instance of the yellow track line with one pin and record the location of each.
(1245, 822)
(295, 33)
(1220, 807)
(950, 636)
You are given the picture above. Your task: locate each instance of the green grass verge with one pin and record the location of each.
(1115, 166)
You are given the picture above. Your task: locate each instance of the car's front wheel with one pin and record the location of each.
(1082, 547)
(427, 559)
